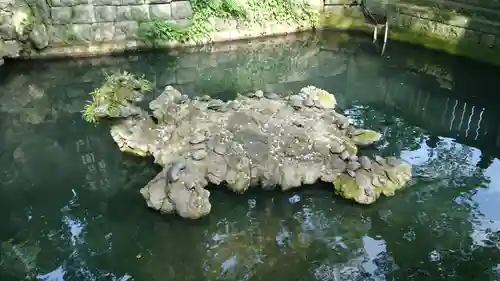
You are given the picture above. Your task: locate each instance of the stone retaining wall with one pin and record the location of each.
(47, 28)
(108, 20)
(92, 27)
(463, 27)
(80, 23)
(10, 31)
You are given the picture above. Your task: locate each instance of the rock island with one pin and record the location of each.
(258, 139)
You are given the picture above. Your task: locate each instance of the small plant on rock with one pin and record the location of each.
(118, 89)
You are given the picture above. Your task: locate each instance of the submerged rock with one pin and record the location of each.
(255, 141)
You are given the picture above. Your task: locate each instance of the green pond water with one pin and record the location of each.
(70, 207)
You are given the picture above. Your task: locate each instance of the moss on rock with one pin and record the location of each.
(365, 186)
(364, 137)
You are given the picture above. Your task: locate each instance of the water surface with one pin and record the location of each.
(70, 207)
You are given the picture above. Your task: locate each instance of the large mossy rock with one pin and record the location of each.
(259, 139)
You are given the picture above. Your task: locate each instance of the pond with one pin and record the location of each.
(70, 207)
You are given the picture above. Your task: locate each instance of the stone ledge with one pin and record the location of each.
(94, 49)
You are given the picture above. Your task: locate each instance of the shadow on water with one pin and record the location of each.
(70, 207)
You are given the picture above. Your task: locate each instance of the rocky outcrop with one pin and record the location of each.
(260, 139)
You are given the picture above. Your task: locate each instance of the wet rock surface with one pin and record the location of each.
(254, 140)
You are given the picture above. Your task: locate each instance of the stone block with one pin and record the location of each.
(5, 16)
(10, 49)
(4, 4)
(132, 2)
(8, 31)
(488, 40)
(105, 13)
(67, 3)
(160, 11)
(67, 33)
(82, 32)
(103, 32)
(337, 2)
(405, 21)
(56, 33)
(61, 15)
(83, 14)
(181, 10)
(106, 2)
(159, 1)
(132, 13)
(126, 30)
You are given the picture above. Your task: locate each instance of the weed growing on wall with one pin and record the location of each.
(248, 12)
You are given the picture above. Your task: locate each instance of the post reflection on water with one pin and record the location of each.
(69, 201)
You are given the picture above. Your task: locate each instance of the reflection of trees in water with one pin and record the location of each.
(104, 228)
(44, 168)
(303, 241)
(254, 66)
(434, 222)
(431, 237)
(430, 234)
(315, 239)
(70, 223)
(253, 239)
(398, 135)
